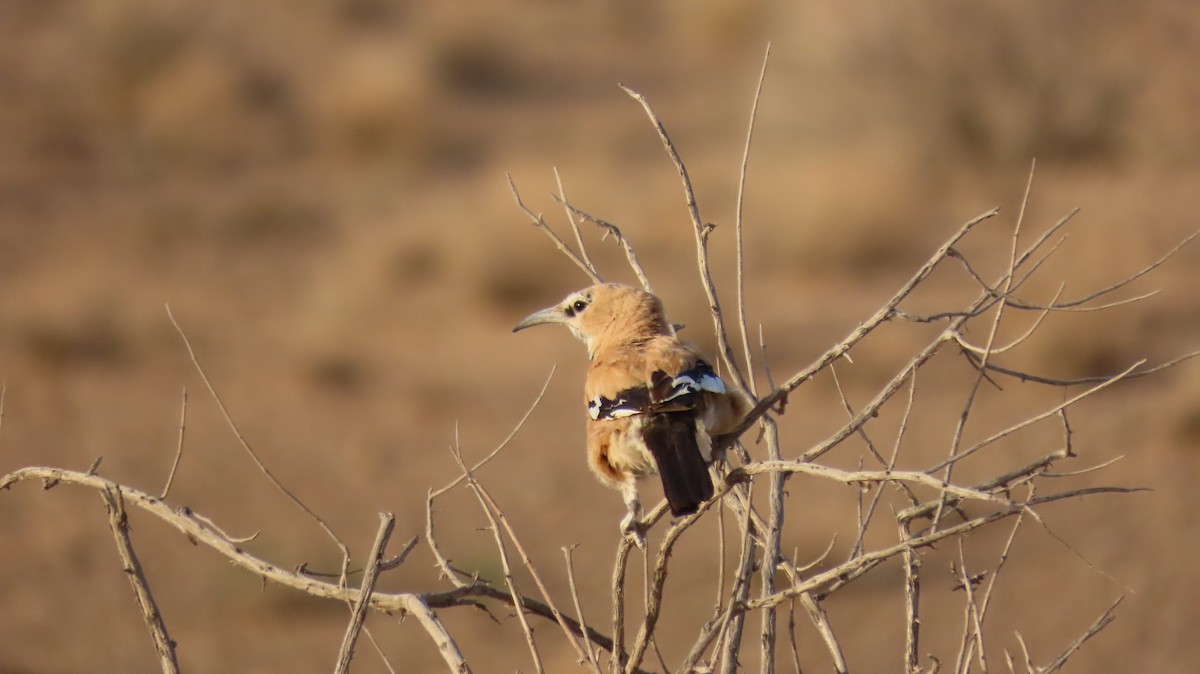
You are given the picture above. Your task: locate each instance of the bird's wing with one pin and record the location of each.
(624, 403)
(627, 394)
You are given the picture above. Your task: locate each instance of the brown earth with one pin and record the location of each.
(317, 189)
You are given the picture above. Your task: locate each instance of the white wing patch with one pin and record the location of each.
(686, 383)
(699, 378)
(628, 403)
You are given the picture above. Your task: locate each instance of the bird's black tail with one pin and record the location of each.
(671, 437)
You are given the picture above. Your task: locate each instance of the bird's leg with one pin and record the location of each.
(631, 524)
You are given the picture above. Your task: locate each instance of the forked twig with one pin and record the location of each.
(496, 515)
(558, 242)
(262, 467)
(587, 641)
(857, 335)
(615, 232)
(562, 196)
(821, 620)
(118, 521)
(701, 232)
(387, 522)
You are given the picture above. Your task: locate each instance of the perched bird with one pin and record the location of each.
(653, 402)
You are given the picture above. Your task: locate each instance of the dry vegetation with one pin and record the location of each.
(318, 192)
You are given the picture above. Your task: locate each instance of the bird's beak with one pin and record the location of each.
(547, 315)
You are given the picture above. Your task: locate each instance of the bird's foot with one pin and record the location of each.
(633, 530)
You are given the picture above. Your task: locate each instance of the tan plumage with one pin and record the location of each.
(653, 401)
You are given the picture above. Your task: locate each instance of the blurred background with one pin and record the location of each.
(318, 191)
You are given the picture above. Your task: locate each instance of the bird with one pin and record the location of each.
(654, 403)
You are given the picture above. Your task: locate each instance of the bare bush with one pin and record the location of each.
(905, 506)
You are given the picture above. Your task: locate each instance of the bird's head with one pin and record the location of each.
(605, 313)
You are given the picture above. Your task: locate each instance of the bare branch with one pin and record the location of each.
(1036, 418)
(490, 512)
(727, 622)
(562, 197)
(498, 515)
(1103, 621)
(866, 477)
(821, 621)
(855, 336)
(619, 656)
(972, 621)
(771, 555)
(873, 558)
(1128, 279)
(654, 603)
(387, 522)
(612, 230)
(262, 467)
(701, 231)
(1051, 381)
(912, 601)
(185, 521)
(119, 523)
(540, 223)
(587, 641)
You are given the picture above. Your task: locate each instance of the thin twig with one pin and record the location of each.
(986, 600)
(1029, 668)
(740, 253)
(118, 521)
(701, 232)
(1103, 621)
(499, 515)
(186, 522)
(501, 548)
(587, 641)
(1079, 381)
(795, 650)
(507, 439)
(821, 621)
(654, 603)
(973, 624)
(3, 396)
(1036, 418)
(857, 335)
(871, 559)
(179, 445)
(619, 657)
(993, 330)
(868, 477)
(461, 578)
(612, 230)
(541, 224)
(1128, 279)
(562, 195)
(771, 546)
(912, 601)
(720, 623)
(262, 467)
(387, 522)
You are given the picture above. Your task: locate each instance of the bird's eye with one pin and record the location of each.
(579, 305)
